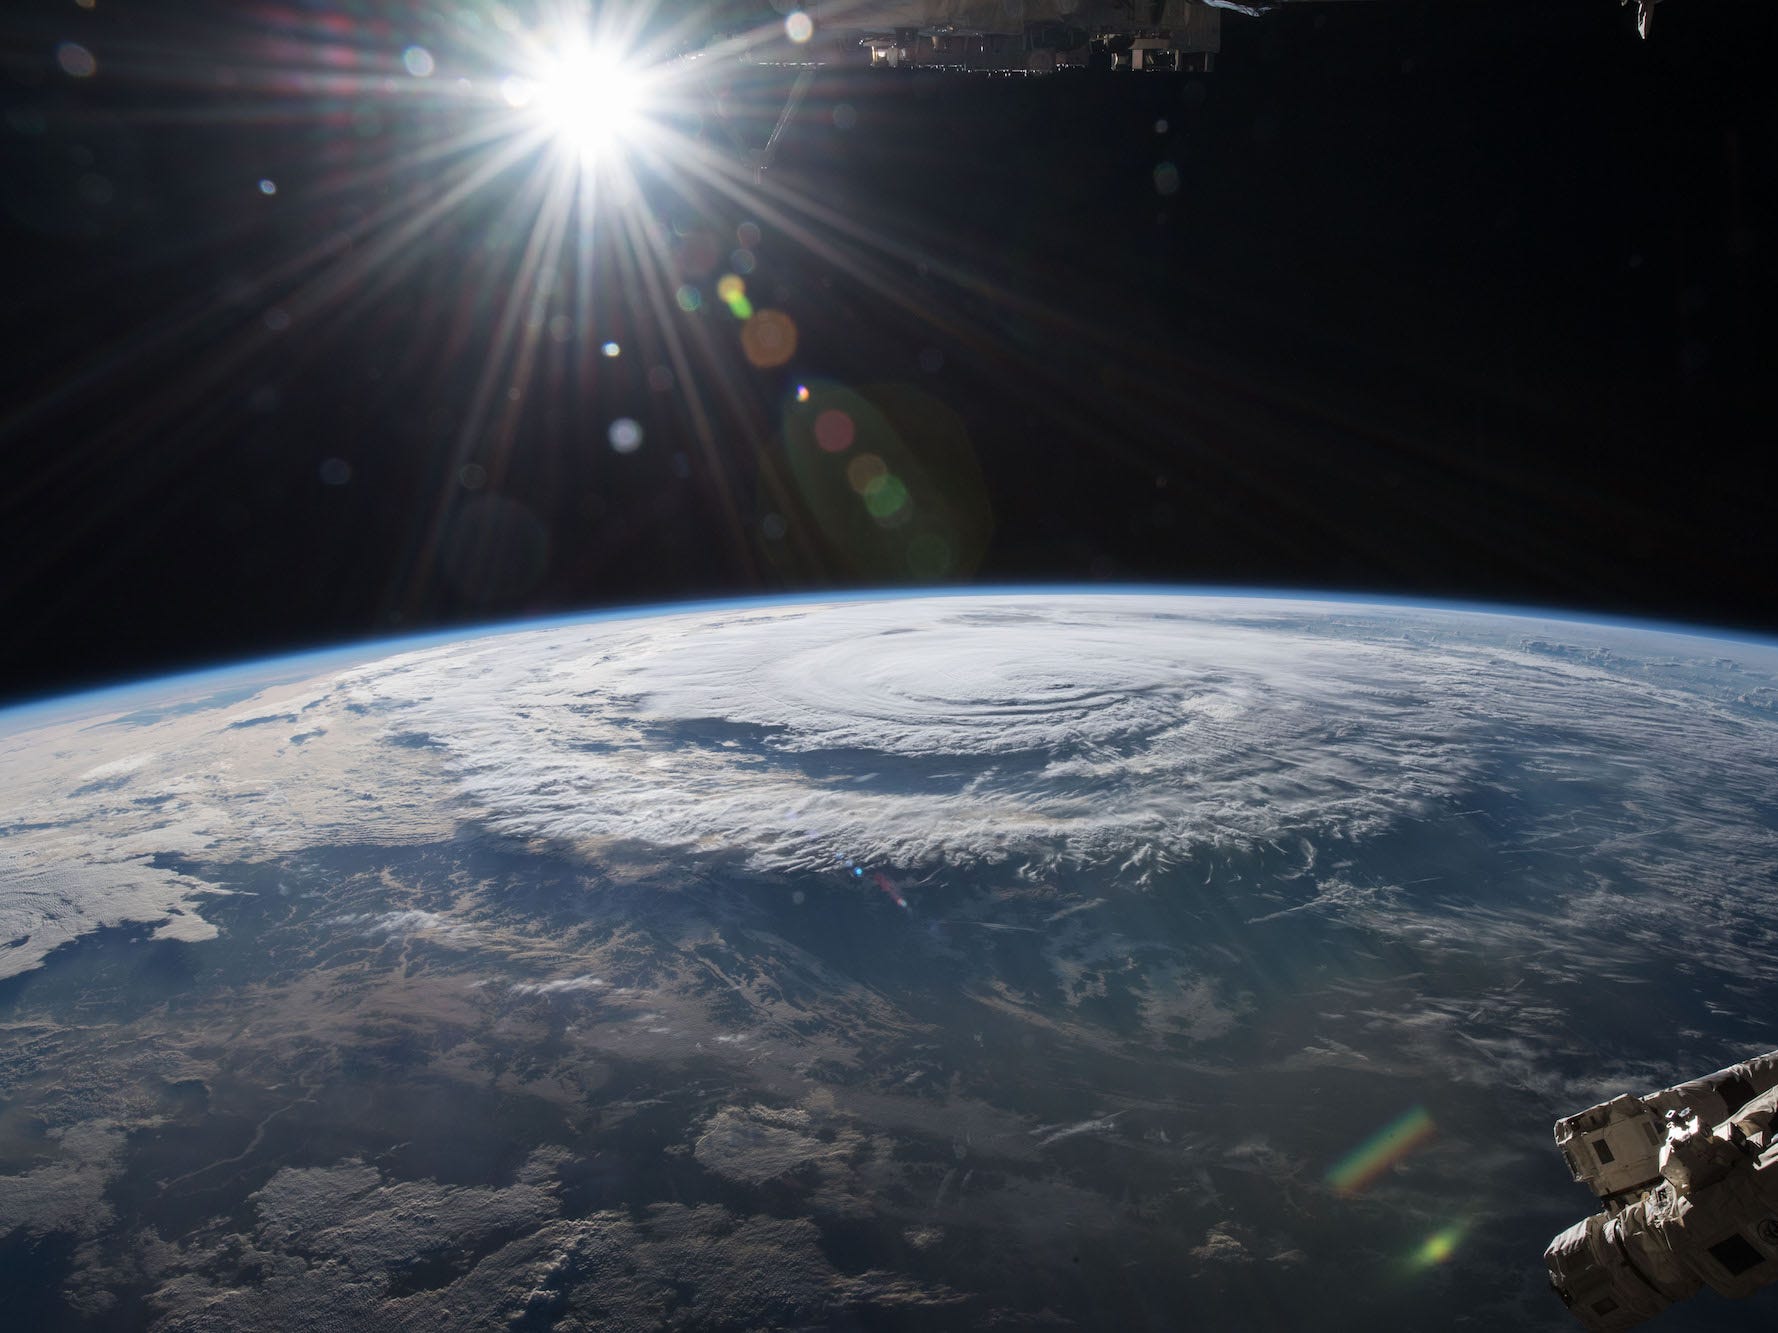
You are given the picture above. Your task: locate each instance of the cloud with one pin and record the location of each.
(68, 1194)
(560, 986)
(94, 814)
(413, 921)
(756, 1144)
(1048, 1134)
(1136, 734)
(1611, 786)
(59, 888)
(1121, 730)
(345, 1247)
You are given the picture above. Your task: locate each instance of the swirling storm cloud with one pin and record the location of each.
(1124, 730)
(1127, 734)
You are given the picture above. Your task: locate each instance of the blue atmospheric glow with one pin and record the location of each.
(303, 663)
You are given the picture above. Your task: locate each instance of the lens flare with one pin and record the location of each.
(1360, 1168)
(864, 472)
(835, 431)
(590, 98)
(625, 435)
(769, 339)
(558, 171)
(1437, 1248)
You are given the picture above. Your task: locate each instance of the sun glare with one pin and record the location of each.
(590, 98)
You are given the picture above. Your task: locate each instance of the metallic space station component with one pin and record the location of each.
(1008, 37)
(1018, 37)
(1689, 1180)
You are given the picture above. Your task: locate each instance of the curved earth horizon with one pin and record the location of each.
(1140, 959)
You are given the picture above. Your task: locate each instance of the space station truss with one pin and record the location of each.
(1008, 36)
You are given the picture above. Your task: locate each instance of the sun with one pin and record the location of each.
(590, 98)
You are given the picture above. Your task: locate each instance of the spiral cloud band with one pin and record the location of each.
(1125, 730)
(895, 737)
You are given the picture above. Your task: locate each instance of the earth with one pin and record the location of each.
(1062, 959)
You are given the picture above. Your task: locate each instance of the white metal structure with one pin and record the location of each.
(1689, 1180)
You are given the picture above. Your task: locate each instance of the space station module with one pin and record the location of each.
(1689, 1181)
(1007, 36)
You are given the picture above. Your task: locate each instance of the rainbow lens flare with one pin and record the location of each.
(1437, 1248)
(1359, 1169)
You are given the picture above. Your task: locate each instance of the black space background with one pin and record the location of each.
(1466, 300)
